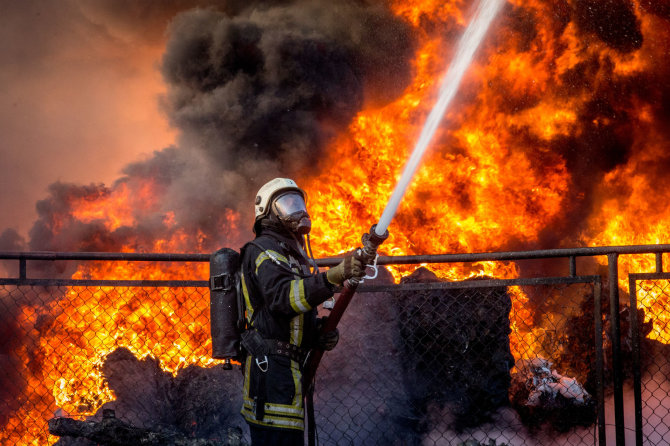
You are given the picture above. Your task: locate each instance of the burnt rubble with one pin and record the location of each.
(560, 393)
(196, 406)
(111, 431)
(573, 351)
(455, 344)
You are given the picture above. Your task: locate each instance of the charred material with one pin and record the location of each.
(153, 406)
(540, 394)
(455, 344)
(111, 431)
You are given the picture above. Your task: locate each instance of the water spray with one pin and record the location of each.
(470, 41)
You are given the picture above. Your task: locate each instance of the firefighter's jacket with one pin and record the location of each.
(280, 305)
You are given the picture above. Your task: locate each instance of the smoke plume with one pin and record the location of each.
(265, 91)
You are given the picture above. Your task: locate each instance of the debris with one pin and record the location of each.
(540, 394)
(111, 431)
(198, 403)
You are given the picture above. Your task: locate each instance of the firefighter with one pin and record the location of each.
(282, 287)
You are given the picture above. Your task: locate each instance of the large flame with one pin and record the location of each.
(479, 189)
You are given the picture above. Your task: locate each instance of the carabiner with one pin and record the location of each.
(262, 363)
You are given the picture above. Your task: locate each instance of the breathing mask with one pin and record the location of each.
(290, 208)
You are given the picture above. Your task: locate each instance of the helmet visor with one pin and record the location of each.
(290, 203)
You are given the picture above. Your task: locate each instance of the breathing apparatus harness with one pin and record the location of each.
(227, 307)
(250, 339)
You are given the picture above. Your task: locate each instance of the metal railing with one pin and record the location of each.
(416, 356)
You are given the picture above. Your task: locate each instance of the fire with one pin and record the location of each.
(476, 191)
(492, 180)
(480, 188)
(633, 210)
(475, 166)
(621, 224)
(169, 324)
(110, 206)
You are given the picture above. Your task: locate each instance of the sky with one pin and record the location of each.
(80, 92)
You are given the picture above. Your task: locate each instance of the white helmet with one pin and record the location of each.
(269, 190)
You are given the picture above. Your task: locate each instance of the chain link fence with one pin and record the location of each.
(480, 362)
(650, 293)
(462, 366)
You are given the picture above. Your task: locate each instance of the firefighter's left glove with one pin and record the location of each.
(348, 268)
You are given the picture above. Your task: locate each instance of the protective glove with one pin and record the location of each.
(348, 268)
(328, 340)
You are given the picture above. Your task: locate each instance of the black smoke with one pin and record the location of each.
(269, 88)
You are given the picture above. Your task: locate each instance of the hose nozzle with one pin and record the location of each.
(368, 253)
(371, 242)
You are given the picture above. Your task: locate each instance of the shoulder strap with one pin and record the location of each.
(276, 260)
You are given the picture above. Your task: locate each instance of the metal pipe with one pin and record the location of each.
(573, 266)
(469, 284)
(425, 286)
(509, 255)
(106, 256)
(659, 262)
(617, 372)
(331, 261)
(105, 283)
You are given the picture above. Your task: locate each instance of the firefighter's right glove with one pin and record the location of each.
(348, 268)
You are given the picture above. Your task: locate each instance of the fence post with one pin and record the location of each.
(637, 378)
(617, 372)
(600, 382)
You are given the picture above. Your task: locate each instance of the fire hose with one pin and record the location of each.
(472, 37)
(367, 255)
